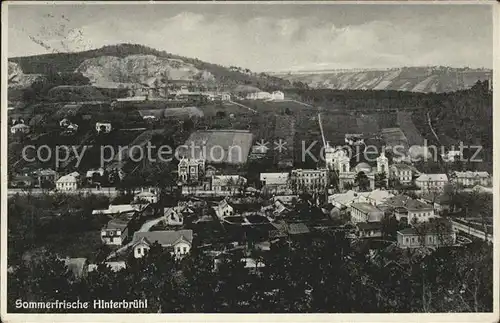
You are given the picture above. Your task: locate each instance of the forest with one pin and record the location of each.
(343, 279)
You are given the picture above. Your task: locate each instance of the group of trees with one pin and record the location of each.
(342, 279)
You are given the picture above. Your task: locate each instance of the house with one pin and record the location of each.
(259, 96)
(309, 179)
(90, 173)
(377, 197)
(284, 229)
(431, 182)
(20, 128)
(285, 199)
(275, 182)
(412, 238)
(410, 210)
(149, 195)
(440, 201)
(178, 242)
(45, 176)
(103, 127)
(22, 182)
(344, 200)
(228, 183)
(278, 96)
(116, 230)
(369, 229)
(470, 179)
(68, 182)
(174, 216)
(146, 197)
(223, 209)
(225, 96)
(402, 172)
(365, 212)
(64, 123)
(121, 208)
(354, 139)
(190, 170)
(274, 178)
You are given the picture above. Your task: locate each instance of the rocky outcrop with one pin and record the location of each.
(415, 79)
(111, 71)
(17, 78)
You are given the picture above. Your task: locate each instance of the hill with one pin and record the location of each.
(136, 63)
(415, 79)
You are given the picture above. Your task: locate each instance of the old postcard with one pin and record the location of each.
(188, 159)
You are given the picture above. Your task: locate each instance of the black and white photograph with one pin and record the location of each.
(243, 157)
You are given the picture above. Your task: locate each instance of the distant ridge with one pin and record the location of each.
(415, 79)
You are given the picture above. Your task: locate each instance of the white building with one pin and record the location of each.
(20, 128)
(278, 96)
(228, 183)
(223, 209)
(190, 170)
(402, 172)
(116, 231)
(410, 209)
(104, 127)
(431, 182)
(470, 179)
(365, 212)
(279, 179)
(259, 96)
(309, 179)
(68, 182)
(178, 242)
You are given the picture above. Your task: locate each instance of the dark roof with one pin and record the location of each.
(164, 238)
(407, 202)
(369, 225)
(298, 228)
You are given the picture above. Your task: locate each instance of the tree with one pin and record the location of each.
(362, 181)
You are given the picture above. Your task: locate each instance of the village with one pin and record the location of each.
(388, 203)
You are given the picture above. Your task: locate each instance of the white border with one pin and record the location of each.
(412, 317)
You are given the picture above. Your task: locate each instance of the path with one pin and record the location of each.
(302, 103)
(243, 106)
(432, 129)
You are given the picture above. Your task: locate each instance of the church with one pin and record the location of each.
(336, 159)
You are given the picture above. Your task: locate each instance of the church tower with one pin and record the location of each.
(383, 164)
(329, 157)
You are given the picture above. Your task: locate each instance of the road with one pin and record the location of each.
(243, 106)
(110, 191)
(472, 231)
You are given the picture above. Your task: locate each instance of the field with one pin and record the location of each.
(276, 106)
(220, 146)
(412, 134)
(367, 124)
(394, 137)
(228, 108)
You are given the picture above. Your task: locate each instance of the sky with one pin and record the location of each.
(266, 37)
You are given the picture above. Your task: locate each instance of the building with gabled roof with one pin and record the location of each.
(179, 242)
(470, 178)
(411, 209)
(431, 182)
